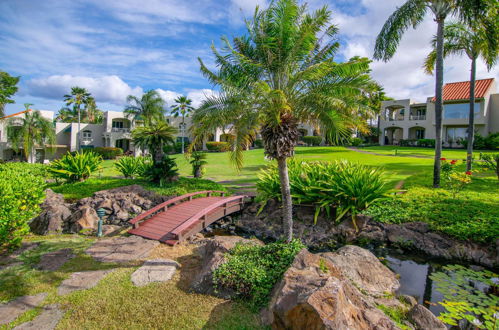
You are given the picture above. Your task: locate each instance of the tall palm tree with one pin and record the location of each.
(153, 138)
(8, 87)
(412, 13)
(79, 96)
(459, 39)
(280, 73)
(149, 108)
(92, 114)
(30, 131)
(182, 108)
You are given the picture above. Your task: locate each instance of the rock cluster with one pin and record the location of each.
(325, 234)
(120, 204)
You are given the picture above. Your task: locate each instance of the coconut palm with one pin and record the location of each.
(79, 97)
(153, 138)
(462, 39)
(182, 108)
(281, 73)
(412, 13)
(29, 132)
(149, 108)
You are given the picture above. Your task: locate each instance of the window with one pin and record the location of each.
(420, 134)
(456, 133)
(87, 135)
(459, 110)
(117, 124)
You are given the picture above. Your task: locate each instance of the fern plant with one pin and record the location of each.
(76, 166)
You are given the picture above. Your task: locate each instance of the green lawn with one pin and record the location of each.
(459, 154)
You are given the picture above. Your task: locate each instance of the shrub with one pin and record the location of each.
(491, 162)
(355, 141)
(217, 146)
(348, 187)
(129, 167)
(312, 140)
(76, 166)
(163, 172)
(21, 193)
(107, 152)
(258, 143)
(198, 160)
(252, 270)
(175, 148)
(426, 143)
(408, 142)
(492, 141)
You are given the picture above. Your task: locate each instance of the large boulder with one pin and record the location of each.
(54, 213)
(212, 254)
(85, 218)
(423, 319)
(314, 294)
(364, 269)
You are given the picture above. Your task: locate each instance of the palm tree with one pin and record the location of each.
(182, 108)
(79, 96)
(280, 73)
(8, 87)
(462, 39)
(153, 138)
(149, 108)
(412, 13)
(29, 132)
(92, 114)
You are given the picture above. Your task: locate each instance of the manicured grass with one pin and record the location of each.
(115, 303)
(459, 154)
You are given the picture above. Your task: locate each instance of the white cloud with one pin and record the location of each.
(196, 95)
(241, 9)
(110, 89)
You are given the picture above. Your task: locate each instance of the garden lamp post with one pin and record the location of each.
(100, 212)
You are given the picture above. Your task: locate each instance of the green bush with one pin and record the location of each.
(347, 187)
(356, 141)
(218, 146)
(491, 162)
(426, 143)
(175, 148)
(163, 172)
(107, 152)
(75, 166)
(312, 140)
(198, 161)
(252, 270)
(21, 193)
(408, 142)
(129, 166)
(258, 143)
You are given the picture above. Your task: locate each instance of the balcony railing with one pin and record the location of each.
(120, 130)
(417, 117)
(395, 119)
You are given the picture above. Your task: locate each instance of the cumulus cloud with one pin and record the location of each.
(196, 95)
(106, 89)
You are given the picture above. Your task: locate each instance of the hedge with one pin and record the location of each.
(312, 140)
(218, 146)
(107, 152)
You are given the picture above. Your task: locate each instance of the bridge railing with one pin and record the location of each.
(164, 206)
(202, 216)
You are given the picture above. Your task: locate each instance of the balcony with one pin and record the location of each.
(395, 119)
(120, 130)
(417, 117)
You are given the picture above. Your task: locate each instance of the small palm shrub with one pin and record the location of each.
(129, 167)
(163, 172)
(76, 166)
(253, 270)
(21, 193)
(312, 140)
(198, 160)
(348, 188)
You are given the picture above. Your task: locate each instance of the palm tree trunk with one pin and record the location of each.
(182, 131)
(438, 102)
(471, 123)
(287, 206)
(79, 133)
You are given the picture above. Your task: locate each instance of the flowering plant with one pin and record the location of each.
(457, 181)
(447, 168)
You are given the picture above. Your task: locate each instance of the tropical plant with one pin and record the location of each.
(312, 140)
(108, 152)
(198, 161)
(162, 172)
(22, 192)
(182, 108)
(92, 114)
(30, 131)
(412, 13)
(77, 166)
(280, 73)
(218, 146)
(79, 97)
(149, 108)
(468, 295)
(459, 39)
(153, 138)
(128, 166)
(491, 162)
(8, 87)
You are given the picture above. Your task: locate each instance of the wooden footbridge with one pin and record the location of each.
(178, 218)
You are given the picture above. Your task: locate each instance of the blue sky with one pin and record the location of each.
(117, 48)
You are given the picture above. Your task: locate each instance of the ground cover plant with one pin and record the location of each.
(252, 270)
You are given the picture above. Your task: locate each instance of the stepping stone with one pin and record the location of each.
(11, 310)
(156, 270)
(121, 249)
(47, 320)
(82, 281)
(54, 260)
(12, 257)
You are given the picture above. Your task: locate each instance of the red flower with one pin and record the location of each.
(468, 172)
(453, 162)
(443, 158)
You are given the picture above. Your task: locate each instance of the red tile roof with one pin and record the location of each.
(15, 114)
(461, 90)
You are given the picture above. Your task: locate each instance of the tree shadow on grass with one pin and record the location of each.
(318, 150)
